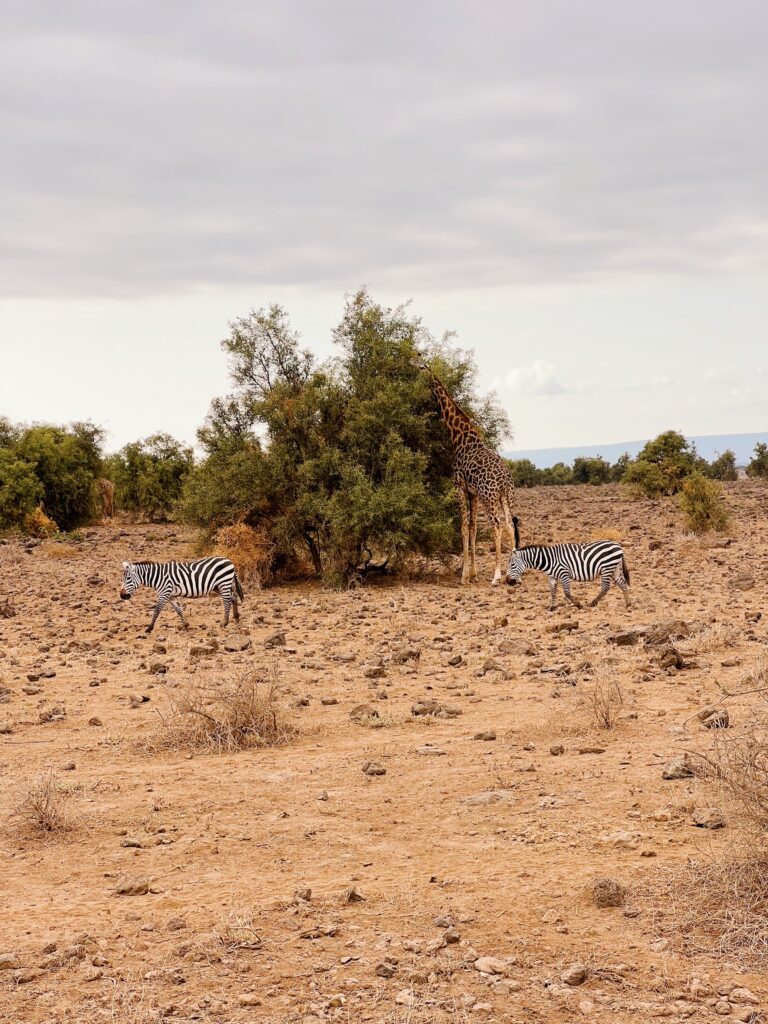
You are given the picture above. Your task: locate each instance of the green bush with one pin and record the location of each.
(619, 468)
(662, 466)
(703, 505)
(591, 470)
(524, 473)
(344, 460)
(557, 475)
(759, 465)
(149, 475)
(20, 490)
(66, 461)
(724, 466)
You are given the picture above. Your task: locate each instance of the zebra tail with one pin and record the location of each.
(239, 589)
(625, 569)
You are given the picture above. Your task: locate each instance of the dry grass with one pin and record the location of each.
(738, 765)
(609, 534)
(716, 636)
(11, 554)
(38, 524)
(603, 699)
(43, 808)
(58, 551)
(238, 931)
(250, 550)
(223, 717)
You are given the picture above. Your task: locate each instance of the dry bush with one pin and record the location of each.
(43, 808)
(60, 551)
(250, 550)
(220, 717)
(703, 504)
(609, 534)
(738, 765)
(38, 524)
(603, 699)
(711, 638)
(238, 931)
(11, 554)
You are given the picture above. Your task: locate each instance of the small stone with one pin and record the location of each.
(451, 936)
(95, 721)
(132, 887)
(557, 749)
(405, 997)
(239, 642)
(93, 974)
(374, 768)
(158, 668)
(328, 701)
(403, 654)
(574, 975)
(624, 638)
(9, 961)
(248, 999)
(743, 581)
(708, 817)
(718, 719)
(678, 768)
(275, 640)
(486, 736)
(744, 995)
(176, 924)
(6, 728)
(606, 892)
(622, 839)
(491, 965)
(363, 713)
(386, 969)
(374, 672)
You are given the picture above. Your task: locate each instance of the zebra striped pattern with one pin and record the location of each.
(566, 562)
(172, 580)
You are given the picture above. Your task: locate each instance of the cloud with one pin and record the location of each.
(539, 379)
(150, 147)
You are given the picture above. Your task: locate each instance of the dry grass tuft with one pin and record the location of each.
(60, 551)
(251, 551)
(238, 931)
(603, 699)
(224, 717)
(43, 809)
(714, 637)
(738, 766)
(11, 554)
(609, 534)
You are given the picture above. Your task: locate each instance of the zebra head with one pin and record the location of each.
(131, 581)
(516, 567)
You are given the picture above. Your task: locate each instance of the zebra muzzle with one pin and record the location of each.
(124, 596)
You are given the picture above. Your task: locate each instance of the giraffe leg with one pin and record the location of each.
(464, 513)
(498, 532)
(473, 503)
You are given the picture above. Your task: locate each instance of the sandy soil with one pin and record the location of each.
(446, 872)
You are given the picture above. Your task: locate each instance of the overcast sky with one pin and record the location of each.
(578, 188)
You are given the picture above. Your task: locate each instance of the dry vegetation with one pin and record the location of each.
(254, 825)
(250, 550)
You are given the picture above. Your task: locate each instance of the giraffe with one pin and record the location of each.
(480, 476)
(107, 494)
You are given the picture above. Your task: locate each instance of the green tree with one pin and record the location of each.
(619, 468)
(724, 466)
(702, 503)
(759, 465)
(345, 459)
(66, 461)
(524, 472)
(20, 490)
(149, 475)
(662, 465)
(557, 475)
(591, 470)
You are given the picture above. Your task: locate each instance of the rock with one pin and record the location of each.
(351, 895)
(275, 640)
(132, 887)
(678, 768)
(26, 975)
(622, 839)
(95, 721)
(329, 701)
(574, 975)
(239, 642)
(708, 817)
(624, 638)
(718, 718)
(362, 713)
(606, 892)
(93, 974)
(137, 699)
(374, 768)
(563, 627)
(670, 657)
(9, 961)
(248, 999)
(176, 924)
(429, 751)
(57, 713)
(202, 650)
(491, 965)
(374, 672)
(743, 581)
(743, 995)
(591, 750)
(403, 654)
(451, 936)
(158, 668)
(429, 706)
(654, 545)
(664, 632)
(405, 997)
(386, 969)
(6, 728)
(487, 736)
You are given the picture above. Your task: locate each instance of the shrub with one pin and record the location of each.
(149, 475)
(603, 699)
(557, 475)
(759, 465)
(662, 466)
(20, 490)
(66, 461)
(43, 809)
(591, 470)
(524, 472)
(38, 524)
(221, 717)
(250, 550)
(724, 466)
(703, 505)
(619, 468)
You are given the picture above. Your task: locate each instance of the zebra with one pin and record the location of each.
(184, 579)
(565, 562)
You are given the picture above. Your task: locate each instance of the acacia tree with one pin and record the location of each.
(344, 458)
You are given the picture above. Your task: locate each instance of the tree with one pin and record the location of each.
(557, 475)
(663, 465)
(66, 461)
(591, 470)
(20, 490)
(724, 466)
(759, 465)
(346, 459)
(149, 475)
(702, 503)
(524, 472)
(619, 468)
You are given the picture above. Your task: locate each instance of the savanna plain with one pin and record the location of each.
(454, 807)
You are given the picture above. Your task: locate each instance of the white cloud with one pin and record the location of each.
(540, 379)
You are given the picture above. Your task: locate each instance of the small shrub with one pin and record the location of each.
(38, 524)
(703, 504)
(20, 490)
(250, 550)
(43, 809)
(758, 467)
(645, 480)
(238, 715)
(59, 551)
(724, 466)
(603, 699)
(238, 931)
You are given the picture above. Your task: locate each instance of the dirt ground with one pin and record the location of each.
(465, 848)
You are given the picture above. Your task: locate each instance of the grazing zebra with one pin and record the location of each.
(565, 562)
(184, 579)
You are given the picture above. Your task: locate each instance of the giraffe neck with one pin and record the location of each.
(460, 426)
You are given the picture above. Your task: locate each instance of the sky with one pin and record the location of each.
(579, 190)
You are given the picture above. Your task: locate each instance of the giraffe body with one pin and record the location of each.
(481, 477)
(107, 495)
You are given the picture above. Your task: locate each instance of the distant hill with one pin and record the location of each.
(708, 447)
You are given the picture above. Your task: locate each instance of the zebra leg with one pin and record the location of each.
(621, 582)
(605, 583)
(552, 592)
(178, 608)
(567, 591)
(161, 602)
(235, 609)
(226, 597)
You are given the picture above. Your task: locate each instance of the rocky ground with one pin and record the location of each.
(455, 879)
